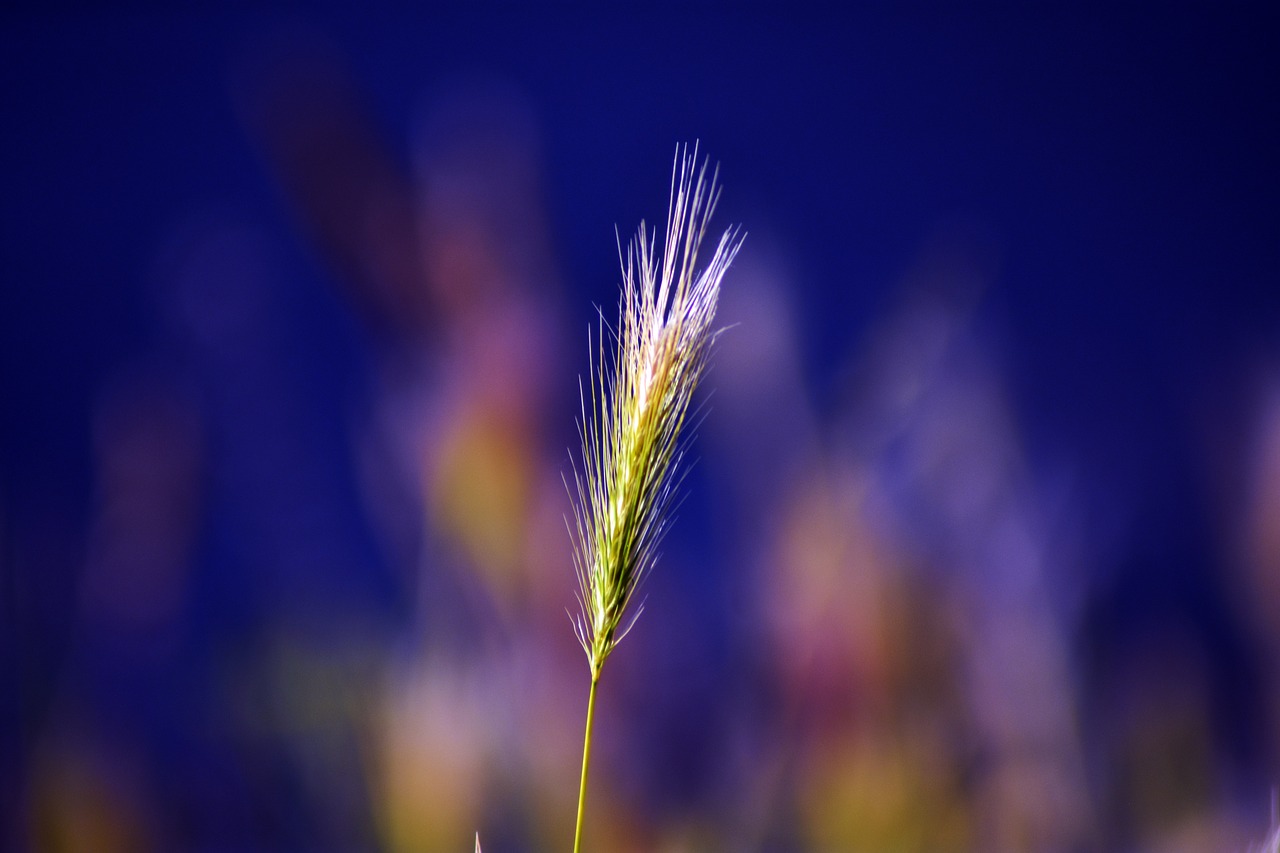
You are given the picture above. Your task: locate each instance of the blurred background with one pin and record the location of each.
(982, 547)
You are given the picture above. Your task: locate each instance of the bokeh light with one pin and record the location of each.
(981, 550)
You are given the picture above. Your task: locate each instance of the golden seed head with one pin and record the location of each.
(639, 398)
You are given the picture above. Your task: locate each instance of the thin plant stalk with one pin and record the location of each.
(586, 757)
(634, 415)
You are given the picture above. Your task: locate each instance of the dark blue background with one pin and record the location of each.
(1121, 163)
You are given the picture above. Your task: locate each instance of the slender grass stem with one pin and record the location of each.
(586, 756)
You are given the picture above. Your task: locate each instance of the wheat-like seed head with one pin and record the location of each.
(638, 403)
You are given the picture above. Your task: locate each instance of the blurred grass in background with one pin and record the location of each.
(983, 547)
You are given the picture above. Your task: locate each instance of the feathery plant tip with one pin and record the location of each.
(638, 403)
(635, 412)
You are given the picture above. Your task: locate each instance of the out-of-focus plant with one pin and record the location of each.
(634, 416)
(1271, 844)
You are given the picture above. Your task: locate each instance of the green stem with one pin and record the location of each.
(586, 755)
